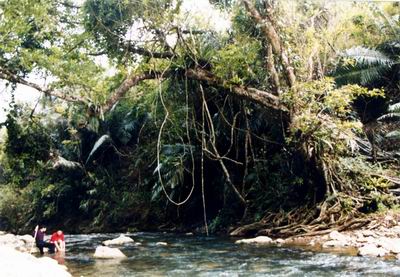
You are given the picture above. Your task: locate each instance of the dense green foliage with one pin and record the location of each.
(155, 118)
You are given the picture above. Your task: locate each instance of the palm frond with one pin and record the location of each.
(393, 135)
(395, 108)
(366, 56)
(389, 116)
(102, 140)
(359, 74)
(363, 65)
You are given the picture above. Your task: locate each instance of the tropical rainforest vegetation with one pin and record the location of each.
(253, 117)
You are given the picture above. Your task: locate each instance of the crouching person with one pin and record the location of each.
(40, 243)
(58, 240)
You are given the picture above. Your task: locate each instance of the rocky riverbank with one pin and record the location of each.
(15, 259)
(380, 238)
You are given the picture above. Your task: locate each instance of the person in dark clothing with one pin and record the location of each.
(40, 243)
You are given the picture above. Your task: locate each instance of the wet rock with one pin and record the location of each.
(189, 234)
(161, 243)
(137, 244)
(256, 240)
(104, 252)
(372, 250)
(122, 239)
(14, 263)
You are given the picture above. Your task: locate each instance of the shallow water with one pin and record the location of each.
(213, 256)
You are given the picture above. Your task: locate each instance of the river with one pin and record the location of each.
(213, 256)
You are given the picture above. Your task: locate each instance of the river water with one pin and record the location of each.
(213, 256)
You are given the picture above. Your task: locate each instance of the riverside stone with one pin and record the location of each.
(122, 239)
(280, 241)
(104, 252)
(256, 240)
(26, 238)
(372, 250)
(390, 244)
(368, 233)
(15, 264)
(335, 235)
(21, 243)
(161, 243)
(335, 243)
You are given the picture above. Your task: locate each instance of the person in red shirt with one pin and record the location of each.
(58, 239)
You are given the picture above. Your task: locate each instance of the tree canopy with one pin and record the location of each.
(253, 114)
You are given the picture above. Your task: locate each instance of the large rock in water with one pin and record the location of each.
(122, 239)
(103, 252)
(256, 240)
(15, 264)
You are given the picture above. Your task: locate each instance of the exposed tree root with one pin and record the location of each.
(305, 221)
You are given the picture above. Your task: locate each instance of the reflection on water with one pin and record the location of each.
(213, 256)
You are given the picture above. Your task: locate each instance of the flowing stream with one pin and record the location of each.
(213, 256)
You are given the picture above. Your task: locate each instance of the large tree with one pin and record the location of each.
(269, 64)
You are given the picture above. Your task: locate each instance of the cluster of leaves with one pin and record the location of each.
(325, 116)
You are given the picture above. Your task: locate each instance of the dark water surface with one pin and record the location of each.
(213, 256)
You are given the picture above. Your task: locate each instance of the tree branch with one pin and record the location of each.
(8, 76)
(144, 52)
(127, 84)
(270, 33)
(252, 94)
(261, 97)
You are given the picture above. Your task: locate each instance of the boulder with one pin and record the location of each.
(14, 263)
(372, 250)
(256, 240)
(122, 239)
(104, 252)
(7, 239)
(27, 238)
